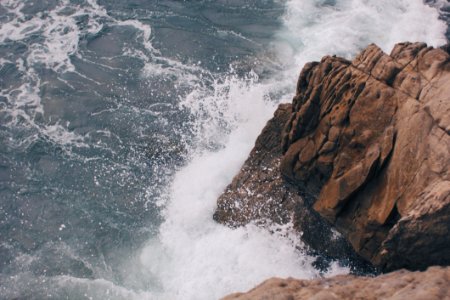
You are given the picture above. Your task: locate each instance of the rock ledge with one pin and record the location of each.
(431, 285)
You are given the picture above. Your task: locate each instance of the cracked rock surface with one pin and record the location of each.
(369, 140)
(365, 149)
(259, 194)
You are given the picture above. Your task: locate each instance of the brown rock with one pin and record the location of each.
(370, 141)
(432, 284)
(259, 194)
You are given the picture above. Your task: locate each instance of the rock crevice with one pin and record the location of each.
(365, 148)
(372, 148)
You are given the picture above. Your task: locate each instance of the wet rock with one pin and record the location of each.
(432, 284)
(259, 194)
(369, 142)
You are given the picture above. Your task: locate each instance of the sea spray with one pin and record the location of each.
(195, 253)
(122, 122)
(191, 244)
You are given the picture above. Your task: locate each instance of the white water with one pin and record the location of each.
(199, 258)
(60, 34)
(195, 258)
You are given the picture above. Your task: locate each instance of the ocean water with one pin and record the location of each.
(122, 121)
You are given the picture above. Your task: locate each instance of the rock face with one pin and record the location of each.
(366, 149)
(369, 140)
(259, 194)
(432, 284)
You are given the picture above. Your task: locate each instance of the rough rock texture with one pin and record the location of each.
(366, 145)
(258, 179)
(259, 194)
(369, 139)
(431, 285)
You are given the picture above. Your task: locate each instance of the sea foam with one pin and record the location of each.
(192, 257)
(195, 258)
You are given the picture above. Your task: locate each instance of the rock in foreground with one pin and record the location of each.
(431, 285)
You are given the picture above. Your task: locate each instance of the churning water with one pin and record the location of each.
(122, 121)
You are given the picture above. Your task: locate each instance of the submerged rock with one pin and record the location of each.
(432, 285)
(369, 139)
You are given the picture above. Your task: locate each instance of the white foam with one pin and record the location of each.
(145, 29)
(195, 258)
(24, 106)
(59, 34)
(314, 29)
(60, 31)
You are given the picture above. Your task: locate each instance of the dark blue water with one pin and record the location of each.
(103, 103)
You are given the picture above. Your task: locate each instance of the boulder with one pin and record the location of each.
(432, 285)
(369, 141)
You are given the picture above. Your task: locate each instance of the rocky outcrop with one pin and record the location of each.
(259, 194)
(366, 146)
(432, 285)
(369, 139)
